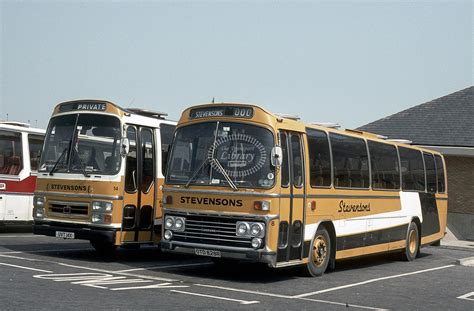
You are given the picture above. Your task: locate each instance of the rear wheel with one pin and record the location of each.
(319, 253)
(412, 248)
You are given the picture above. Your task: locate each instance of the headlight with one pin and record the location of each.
(168, 235)
(102, 206)
(242, 228)
(175, 223)
(256, 243)
(104, 219)
(39, 212)
(179, 223)
(256, 229)
(169, 222)
(38, 201)
(250, 229)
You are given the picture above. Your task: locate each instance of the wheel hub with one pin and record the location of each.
(319, 251)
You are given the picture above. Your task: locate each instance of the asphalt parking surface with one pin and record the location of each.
(45, 273)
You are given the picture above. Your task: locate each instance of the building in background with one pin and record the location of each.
(446, 125)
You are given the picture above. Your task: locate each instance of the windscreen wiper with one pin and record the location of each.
(83, 167)
(224, 173)
(206, 161)
(59, 160)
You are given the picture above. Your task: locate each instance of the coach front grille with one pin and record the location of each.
(212, 230)
(68, 209)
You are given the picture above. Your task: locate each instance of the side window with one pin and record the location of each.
(319, 158)
(285, 172)
(440, 174)
(35, 143)
(413, 173)
(147, 159)
(297, 160)
(166, 134)
(351, 168)
(430, 172)
(11, 150)
(131, 161)
(385, 166)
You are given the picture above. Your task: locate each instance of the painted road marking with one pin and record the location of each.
(48, 251)
(288, 297)
(371, 281)
(468, 296)
(242, 302)
(68, 277)
(159, 286)
(100, 270)
(16, 257)
(347, 305)
(18, 236)
(26, 268)
(165, 267)
(99, 280)
(245, 291)
(119, 273)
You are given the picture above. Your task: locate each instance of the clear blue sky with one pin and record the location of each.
(350, 62)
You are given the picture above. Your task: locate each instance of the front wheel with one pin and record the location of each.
(319, 254)
(412, 245)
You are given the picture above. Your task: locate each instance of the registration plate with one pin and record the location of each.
(207, 252)
(65, 235)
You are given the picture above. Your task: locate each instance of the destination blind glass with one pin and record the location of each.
(88, 106)
(228, 111)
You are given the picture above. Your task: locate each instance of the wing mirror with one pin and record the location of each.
(125, 146)
(277, 156)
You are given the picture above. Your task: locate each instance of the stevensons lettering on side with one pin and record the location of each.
(349, 207)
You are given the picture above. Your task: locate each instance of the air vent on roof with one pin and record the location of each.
(401, 141)
(15, 123)
(327, 124)
(148, 113)
(287, 116)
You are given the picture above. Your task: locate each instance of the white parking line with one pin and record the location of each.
(48, 251)
(468, 296)
(371, 281)
(243, 302)
(16, 257)
(18, 236)
(244, 291)
(153, 286)
(119, 273)
(98, 270)
(287, 297)
(165, 267)
(347, 305)
(26, 268)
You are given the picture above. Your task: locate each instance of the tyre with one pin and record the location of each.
(412, 245)
(104, 248)
(319, 253)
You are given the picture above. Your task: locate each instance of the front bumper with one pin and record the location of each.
(81, 232)
(226, 252)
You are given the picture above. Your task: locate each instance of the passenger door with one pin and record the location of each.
(293, 198)
(139, 194)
